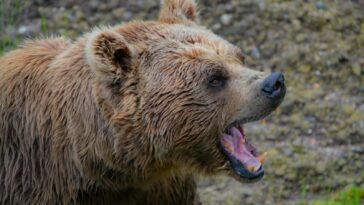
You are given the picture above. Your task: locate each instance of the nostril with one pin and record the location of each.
(277, 86)
(273, 86)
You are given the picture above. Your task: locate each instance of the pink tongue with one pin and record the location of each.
(240, 148)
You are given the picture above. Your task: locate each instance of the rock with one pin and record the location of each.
(22, 30)
(79, 16)
(31, 29)
(255, 53)
(357, 70)
(320, 5)
(229, 7)
(226, 19)
(348, 109)
(118, 13)
(304, 68)
(94, 4)
(127, 15)
(216, 26)
(287, 151)
(103, 7)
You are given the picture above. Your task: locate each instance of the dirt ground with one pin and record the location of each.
(315, 140)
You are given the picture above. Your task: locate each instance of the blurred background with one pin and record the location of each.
(315, 140)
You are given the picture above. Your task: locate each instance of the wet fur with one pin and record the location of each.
(95, 121)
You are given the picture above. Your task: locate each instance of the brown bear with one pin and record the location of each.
(128, 114)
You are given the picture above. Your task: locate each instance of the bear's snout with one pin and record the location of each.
(273, 87)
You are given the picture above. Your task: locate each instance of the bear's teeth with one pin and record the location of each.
(261, 158)
(253, 169)
(228, 147)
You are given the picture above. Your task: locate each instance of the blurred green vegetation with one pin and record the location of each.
(12, 14)
(350, 196)
(8, 16)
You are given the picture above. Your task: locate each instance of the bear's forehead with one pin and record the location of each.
(191, 39)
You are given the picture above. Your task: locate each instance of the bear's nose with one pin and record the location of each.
(273, 87)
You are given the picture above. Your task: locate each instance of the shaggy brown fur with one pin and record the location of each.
(123, 115)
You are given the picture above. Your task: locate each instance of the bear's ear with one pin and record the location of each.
(109, 56)
(178, 11)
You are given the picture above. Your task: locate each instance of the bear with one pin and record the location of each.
(129, 114)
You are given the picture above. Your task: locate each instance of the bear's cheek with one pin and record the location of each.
(207, 152)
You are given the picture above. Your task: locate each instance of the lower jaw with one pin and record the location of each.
(245, 180)
(245, 164)
(241, 174)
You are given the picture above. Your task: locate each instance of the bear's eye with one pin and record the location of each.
(217, 81)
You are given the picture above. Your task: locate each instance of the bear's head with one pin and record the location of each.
(178, 95)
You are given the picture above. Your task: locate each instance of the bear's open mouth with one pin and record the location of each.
(242, 155)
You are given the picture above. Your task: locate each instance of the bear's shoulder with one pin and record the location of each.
(41, 48)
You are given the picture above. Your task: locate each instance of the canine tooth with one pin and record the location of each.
(228, 146)
(263, 121)
(251, 168)
(261, 158)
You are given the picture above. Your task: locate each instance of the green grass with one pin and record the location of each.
(351, 196)
(8, 14)
(44, 27)
(8, 43)
(12, 15)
